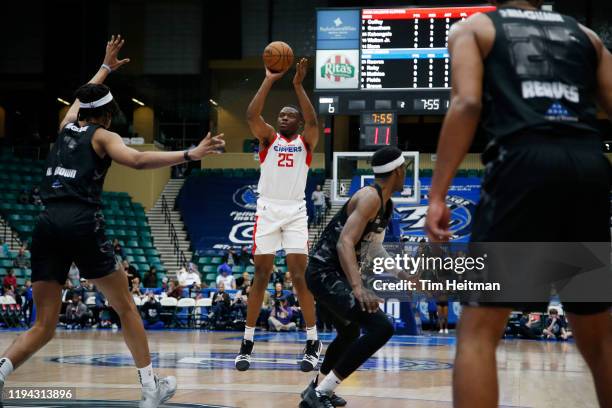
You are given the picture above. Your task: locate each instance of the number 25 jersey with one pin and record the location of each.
(284, 169)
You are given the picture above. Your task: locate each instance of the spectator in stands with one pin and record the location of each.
(131, 272)
(28, 301)
(239, 307)
(246, 258)
(230, 257)
(174, 289)
(556, 326)
(164, 284)
(287, 282)
(531, 326)
(118, 248)
(221, 303)
(243, 282)
(74, 274)
(24, 197)
(150, 278)
(318, 201)
(281, 317)
(77, 313)
(278, 294)
(10, 281)
(21, 260)
(81, 288)
(136, 287)
(190, 278)
(67, 291)
(4, 248)
(35, 196)
(277, 275)
(225, 276)
(151, 311)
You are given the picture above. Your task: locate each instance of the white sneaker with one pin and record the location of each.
(164, 390)
(114, 326)
(445, 331)
(441, 331)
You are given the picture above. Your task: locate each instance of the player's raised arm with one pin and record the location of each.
(311, 125)
(262, 130)
(459, 124)
(110, 63)
(366, 208)
(112, 144)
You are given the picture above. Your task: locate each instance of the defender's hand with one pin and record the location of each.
(301, 68)
(367, 299)
(208, 145)
(112, 50)
(437, 222)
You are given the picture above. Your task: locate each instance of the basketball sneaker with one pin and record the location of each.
(165, 388)
(335, 399)
(312, 352)
(243, 360)
(315, 400)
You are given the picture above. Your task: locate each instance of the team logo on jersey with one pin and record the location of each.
(246, 197)
(262, 361)
(338, 68)
(412, 219)
(558, 112)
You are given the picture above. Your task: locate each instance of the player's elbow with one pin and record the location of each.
(139, 161)
(467, 104)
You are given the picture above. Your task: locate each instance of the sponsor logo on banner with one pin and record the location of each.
(246, 197)
(337, 69)
(338, 24)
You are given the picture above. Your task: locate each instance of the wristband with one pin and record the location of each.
(106, 67)
(186, 156)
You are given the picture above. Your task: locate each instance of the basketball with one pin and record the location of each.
(278, 56)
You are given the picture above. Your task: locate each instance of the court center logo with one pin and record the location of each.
(246, 197)
(412, 219)
(263, 361)
(338, 68)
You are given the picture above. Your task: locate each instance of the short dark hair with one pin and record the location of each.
(383, 156)
(294, 107)
(90, 93)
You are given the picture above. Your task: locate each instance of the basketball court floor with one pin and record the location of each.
(409, 372)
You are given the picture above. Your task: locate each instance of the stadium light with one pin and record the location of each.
(213, 102)
(63, 101)
(138, 102)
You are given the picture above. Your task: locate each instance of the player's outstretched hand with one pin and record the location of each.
(367, 299)
(438, 219)
(301, 68)
(209, 145)
(113, 46)
(274, 76)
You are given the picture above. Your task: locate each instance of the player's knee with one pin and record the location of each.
(45, 332)
(350, 332)
(299, 281)
(385, 329)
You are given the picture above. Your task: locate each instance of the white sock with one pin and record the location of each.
(311, 333)
(146, 377)
(329, 384)
(249, 333)
(6, 368)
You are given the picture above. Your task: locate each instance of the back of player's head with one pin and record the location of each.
(96, 102)
(385, 160)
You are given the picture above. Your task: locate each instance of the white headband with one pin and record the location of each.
(386, 168)
(102, 101)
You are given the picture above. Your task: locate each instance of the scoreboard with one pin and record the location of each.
(389, 59)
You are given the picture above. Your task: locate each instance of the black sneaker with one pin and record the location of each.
(335, 399)
(243, 360)
(312, 352)
(315, 400)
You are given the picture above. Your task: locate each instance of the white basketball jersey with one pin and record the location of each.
(284, 169)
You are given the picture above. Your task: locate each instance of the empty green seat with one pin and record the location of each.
(216, 260)
(237, 269)
(209, 269)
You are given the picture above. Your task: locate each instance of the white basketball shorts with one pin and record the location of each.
(280, 224)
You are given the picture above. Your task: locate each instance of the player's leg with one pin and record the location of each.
(115, 288)
(593, 334)
(48, 302)
(295, 244)
(475, 372)
(263, 269)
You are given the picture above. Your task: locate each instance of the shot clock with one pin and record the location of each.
(378, 129)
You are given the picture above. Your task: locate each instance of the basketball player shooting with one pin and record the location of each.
(281, 219)
(534, 76)
(72, 226)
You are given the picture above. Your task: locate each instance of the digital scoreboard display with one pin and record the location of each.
(386, 59)
(378, 129)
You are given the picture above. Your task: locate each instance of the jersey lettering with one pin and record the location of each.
(285, 160)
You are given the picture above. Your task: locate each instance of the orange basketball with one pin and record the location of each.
(278, 56)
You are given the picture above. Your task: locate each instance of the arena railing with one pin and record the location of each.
(181, 259)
